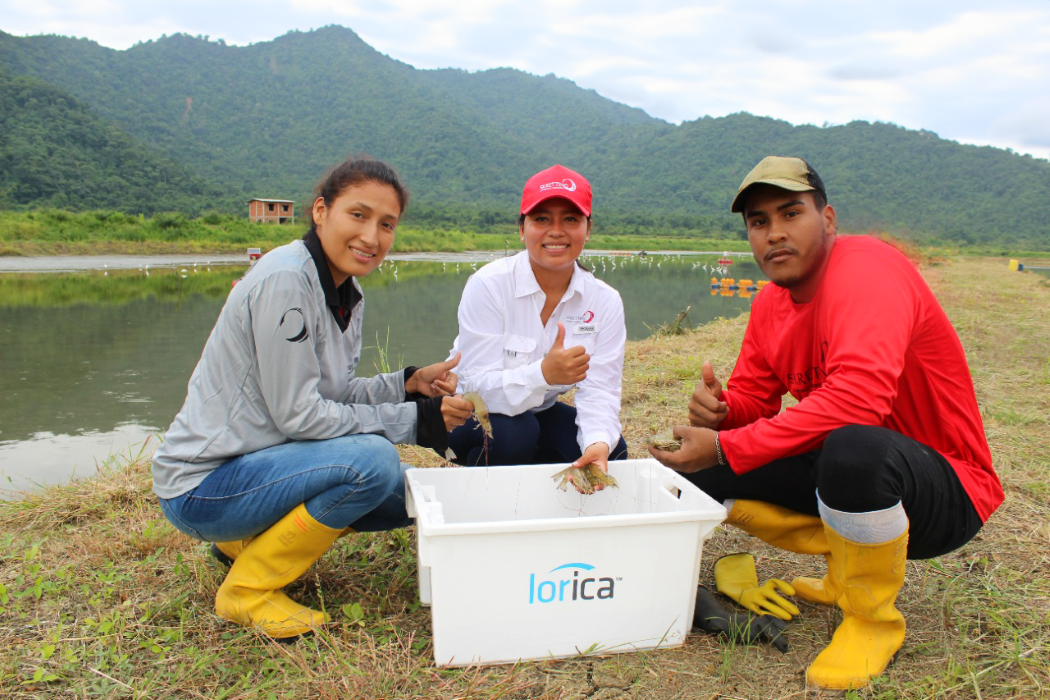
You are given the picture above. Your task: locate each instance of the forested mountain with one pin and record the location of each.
(55, 152)
(267, 119)
(548, 112)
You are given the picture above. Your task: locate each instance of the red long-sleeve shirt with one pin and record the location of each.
(873, 347)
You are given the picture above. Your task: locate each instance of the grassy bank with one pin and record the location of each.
(56, 232)
(99, 596)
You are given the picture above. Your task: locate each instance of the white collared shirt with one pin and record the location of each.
(504, 342)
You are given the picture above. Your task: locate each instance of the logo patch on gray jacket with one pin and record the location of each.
(292, 318)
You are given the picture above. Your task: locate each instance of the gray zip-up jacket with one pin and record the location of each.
(277, 367)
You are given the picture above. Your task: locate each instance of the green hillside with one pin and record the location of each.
(54, 152)
(879, 176)
(550, 113)
(267, 119)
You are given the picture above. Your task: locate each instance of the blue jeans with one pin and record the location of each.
(353, 481)
(546, 437)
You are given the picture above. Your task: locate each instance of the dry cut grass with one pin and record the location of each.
(99, 596)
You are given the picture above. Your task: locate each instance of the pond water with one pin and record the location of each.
(95, 363)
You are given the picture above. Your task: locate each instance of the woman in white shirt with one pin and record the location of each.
(536, 325)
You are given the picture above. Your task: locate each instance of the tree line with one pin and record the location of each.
(187, 124)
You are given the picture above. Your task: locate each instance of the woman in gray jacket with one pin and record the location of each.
(279, 447)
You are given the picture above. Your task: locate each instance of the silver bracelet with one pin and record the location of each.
(718, 453)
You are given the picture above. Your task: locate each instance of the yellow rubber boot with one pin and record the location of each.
(872, 629)
(818, 590)
(251, 594)
(226, 552)
(781, 527)
(796, 532)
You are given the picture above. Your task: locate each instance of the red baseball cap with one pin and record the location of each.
(557, 181)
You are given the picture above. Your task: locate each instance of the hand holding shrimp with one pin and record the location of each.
(481, 412)
(455, 410)
(590, 472)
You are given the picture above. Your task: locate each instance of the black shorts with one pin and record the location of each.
(860, 469)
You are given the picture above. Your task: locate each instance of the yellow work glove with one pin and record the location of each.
(735, 577)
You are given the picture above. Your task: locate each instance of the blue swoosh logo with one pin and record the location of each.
(586, 567)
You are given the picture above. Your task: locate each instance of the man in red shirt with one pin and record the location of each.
(884, 456)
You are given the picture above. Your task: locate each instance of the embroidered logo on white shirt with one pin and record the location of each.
(585, 317)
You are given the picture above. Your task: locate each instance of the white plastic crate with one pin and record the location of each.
(515, 569)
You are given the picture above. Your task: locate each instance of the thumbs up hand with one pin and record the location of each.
(564, 366)
(434, 380)
(559, 340)
(706, 407)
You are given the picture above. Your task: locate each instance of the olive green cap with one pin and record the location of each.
(787, 173)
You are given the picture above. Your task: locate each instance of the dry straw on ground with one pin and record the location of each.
(100, 597)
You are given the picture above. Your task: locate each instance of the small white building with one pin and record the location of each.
(272, 211)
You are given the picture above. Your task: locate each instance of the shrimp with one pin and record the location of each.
(481, 412)
(666, 442)
(591, 474)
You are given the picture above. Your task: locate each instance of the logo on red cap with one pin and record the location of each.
(565, 184)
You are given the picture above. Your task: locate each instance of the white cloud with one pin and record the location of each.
(1029, 122)
(335, 8)
(962, 34)
(961, 69)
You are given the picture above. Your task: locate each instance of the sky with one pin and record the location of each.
(974, 72)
